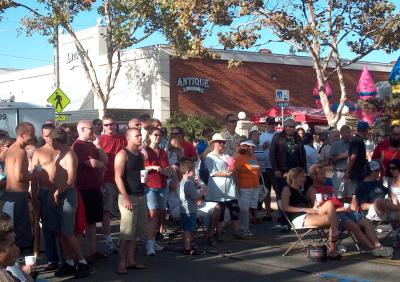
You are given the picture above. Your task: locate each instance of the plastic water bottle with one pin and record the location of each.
(341, 190)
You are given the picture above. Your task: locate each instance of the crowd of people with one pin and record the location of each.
(70, 181)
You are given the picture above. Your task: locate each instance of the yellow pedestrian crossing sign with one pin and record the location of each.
(59, 100)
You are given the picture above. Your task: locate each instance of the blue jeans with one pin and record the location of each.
(156, 198)
(50, 222)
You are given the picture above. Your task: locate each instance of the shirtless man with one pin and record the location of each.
(18, 178)
(43, 161)
(65, 197)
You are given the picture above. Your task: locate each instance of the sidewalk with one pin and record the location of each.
(251, 260)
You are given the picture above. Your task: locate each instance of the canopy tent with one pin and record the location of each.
(300, 114)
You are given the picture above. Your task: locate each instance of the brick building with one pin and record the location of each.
(251, 86)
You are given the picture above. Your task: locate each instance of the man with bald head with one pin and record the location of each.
(18, 179)
(132, 201)
(89, 180)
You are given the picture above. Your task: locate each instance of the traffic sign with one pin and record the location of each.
(282, 95)
(61, 118)
(282, 98)
(282, 104)
(58, 100)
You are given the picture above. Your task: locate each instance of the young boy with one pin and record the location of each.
(189, 194)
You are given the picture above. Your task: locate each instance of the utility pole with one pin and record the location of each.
(56, 57)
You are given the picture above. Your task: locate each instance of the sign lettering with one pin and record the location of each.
(195, 84)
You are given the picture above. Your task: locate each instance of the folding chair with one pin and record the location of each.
(302, 232)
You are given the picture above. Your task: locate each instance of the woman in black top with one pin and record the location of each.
(295, 203)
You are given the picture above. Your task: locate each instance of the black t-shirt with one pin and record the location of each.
(297, 199)
(292, 153)
(131, 176)
(357, 147)
(368, 192)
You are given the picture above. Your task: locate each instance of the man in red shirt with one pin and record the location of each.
(111, 143)
(388, 149)
(189, 151)
(89, 180)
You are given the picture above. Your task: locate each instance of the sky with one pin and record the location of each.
(21, 52)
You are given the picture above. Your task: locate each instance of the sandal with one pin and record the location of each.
(336, 257)
(137, 266)
(95, 256)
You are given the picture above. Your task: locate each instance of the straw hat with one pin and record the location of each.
(217, 137)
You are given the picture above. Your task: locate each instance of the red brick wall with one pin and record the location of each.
(250, 87)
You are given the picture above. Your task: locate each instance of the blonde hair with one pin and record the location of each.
(293, 174)
(314, 169)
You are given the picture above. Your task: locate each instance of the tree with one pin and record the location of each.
(127, 22)
(192, 125)
(184, 24)
(319, 28)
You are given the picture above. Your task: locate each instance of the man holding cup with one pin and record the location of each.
(132, 202)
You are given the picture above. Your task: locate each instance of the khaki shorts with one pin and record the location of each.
(110, 197)
(374, 216)
(133, 223)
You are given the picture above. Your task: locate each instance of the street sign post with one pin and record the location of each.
(58, 100)
(282, 100)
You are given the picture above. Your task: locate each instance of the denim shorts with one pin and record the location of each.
(345, 216)
(188, 222)
(156, 198)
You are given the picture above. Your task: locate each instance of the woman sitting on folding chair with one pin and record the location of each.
(294, 203)
(354, 222)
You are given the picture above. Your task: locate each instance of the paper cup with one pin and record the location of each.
(143, 175)
(346, 205)
(30, 260)
(318, 197)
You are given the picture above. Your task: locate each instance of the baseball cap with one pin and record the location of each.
(289, 122)
(248, 143)
(270, 120)
(362, 126)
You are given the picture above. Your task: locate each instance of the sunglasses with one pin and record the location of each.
(176, 133)
(156, 135)
(108, 124)
(232, 121)
(393, 168)
(221, 142)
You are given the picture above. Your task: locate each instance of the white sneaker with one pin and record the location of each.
(111, 248)
(157, 247)
(150, 248)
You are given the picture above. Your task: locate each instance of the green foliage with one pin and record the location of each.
(193, 125)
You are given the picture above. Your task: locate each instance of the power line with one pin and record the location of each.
(25, 58)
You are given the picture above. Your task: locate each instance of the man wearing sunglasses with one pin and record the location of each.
(111, 143)
(286, 152)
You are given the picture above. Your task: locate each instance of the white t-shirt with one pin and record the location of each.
(267, 137)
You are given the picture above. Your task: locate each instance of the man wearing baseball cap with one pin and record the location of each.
(269, 174)
(371, 196)
(356, 165)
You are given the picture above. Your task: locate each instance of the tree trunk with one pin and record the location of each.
(322, 93)
(102, 109)
(343, 94)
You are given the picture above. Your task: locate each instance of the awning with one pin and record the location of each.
(300, 114)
